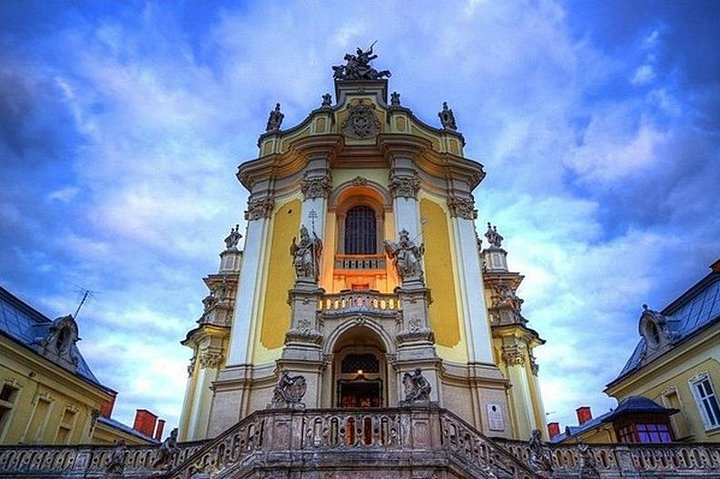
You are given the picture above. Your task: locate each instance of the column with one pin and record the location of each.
(258, 214)
(477, 328)
(514, 357)
(316, 186)
(404, 185)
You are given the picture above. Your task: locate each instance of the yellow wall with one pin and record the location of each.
(440, 275)
(281, 276)
(52, 406)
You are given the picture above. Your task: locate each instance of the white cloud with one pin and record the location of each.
(643, 75)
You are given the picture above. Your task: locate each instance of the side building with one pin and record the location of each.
(668, 389)
(48, 394)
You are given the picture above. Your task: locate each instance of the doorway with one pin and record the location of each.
(360, 393)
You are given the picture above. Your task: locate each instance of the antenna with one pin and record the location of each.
(86, 294)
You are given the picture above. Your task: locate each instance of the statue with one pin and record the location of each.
(588, 464)
(275, 119)
(447, 118)
(406, 256)
(167, 451)
(493, 236)
(394, 99)
(233, 238)
(326, 100)
(289, 391)
(306, 256)
(357, 67)
(117, 458)
(540, 460)
(417, 388)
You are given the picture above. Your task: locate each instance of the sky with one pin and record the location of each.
(122, 125)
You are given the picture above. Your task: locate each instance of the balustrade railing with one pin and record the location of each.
(360, 261)
(354, 301)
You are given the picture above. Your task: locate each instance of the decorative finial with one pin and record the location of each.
(357, 67)
(447, 118)
(233, 238)
(493, 236)
(395, 99)
(275, 119)
(326, 100)
(645, 307)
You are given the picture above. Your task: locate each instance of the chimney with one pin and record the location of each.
(159, 429)
(106, 408)
(553, 429)
(145, 422)
(715, 267)
(583, 414)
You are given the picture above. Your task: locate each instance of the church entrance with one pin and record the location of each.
(359, 374)
(359, 394)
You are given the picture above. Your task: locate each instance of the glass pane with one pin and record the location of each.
(360, 231)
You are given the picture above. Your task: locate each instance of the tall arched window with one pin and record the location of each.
(360, 231)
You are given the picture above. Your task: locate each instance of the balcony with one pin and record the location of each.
(356, 262)
(353, 302)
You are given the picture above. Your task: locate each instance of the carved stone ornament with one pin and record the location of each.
(357, 67)
(361, 123)
(191, 366)
(588, 463)
(417, 388)
(504, 297)
(395, 99)
(513, 355)
(233, 239)
(359, 181)
(404, 186)
(259, 208)
(316, 187)
(210, 358)
(406, 257)
(116, 465)
(275, 119)
(493, 236)
(534, 366)
(289, 392)
(462, 208)
(326, 100)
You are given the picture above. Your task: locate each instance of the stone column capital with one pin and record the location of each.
(404, 186)
(316, 186)
(462, 207)
(259, 208)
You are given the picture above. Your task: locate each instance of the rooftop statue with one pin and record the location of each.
(447, 118)
(357, 67)
(233, 238)
(275, 119)
(494, 237)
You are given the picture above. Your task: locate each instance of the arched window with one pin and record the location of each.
(360, 231)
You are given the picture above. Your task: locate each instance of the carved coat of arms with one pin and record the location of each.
(361, 123)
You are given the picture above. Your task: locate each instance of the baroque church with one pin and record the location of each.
(364, 329)
(362, 275)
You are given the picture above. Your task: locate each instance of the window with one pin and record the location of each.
(360, 231)
(367, 363)
(644, 433)
(67, 423)
(8, 394)
(706, 400)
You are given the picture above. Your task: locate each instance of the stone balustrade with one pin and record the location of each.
(418, 441)
(359, 301)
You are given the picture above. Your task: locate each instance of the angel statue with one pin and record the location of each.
(306, 256)
(289, 391)
(406, 256)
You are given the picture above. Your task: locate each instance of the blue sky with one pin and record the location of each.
(122, 124)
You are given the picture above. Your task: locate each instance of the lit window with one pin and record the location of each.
(644, 433)
(706, 400)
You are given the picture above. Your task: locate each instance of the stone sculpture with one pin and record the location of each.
(233, 238)
(326, 100)
(275, 119)
(306, 256)
(167, 451)
(494, 237)
(357, 67)
(417, 388)
(117, 458)
(289, 392)
(540, 460)
(406, 257)
(447, 118)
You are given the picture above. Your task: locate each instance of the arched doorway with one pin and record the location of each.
(359, 370)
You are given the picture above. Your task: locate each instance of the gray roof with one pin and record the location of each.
(27, 326)
(692, 312)
(124, 427)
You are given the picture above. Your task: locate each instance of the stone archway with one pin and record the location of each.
(359, 370)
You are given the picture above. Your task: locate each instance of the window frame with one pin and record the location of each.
(704, 403)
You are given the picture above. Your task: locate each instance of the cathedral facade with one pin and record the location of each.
(362, 282)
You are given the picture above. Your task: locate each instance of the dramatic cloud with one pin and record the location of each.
(121, 127)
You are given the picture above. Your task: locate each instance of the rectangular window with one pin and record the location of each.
(65, 429)
(706, 400)
(8, 394)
